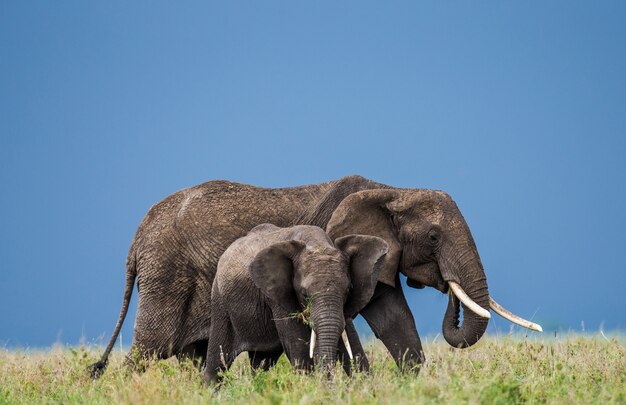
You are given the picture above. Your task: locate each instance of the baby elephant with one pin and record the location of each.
(276, 287)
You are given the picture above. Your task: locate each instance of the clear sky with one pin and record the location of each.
(517, 109)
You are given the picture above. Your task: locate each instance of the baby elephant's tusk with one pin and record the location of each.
(346, 343)
(465, 299)
(512, 317)
(312, 344)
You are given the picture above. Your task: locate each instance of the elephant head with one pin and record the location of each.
(333, 282)
(429, 242)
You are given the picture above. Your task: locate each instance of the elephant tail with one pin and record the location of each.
(98, 368)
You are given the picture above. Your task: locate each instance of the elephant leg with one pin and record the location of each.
(159, 326)
(294, 337)
(152, 337)
(360, 359)
(264, 360)
(390, 318)
(220, 351)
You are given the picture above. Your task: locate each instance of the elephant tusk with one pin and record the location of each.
(346, 343)
(499, 309)
(465, 299)
(312, 344)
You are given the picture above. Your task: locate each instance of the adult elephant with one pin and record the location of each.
(176, 249)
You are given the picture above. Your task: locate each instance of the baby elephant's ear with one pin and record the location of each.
(272, 272)
(367, 255)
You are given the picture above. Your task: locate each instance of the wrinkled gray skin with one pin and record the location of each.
(267, 277)
(175, 252)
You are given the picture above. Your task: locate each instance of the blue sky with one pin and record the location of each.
(518, 110)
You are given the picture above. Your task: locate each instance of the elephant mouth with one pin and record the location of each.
(414, 284)
(423, 275)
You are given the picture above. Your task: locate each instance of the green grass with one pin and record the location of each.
(498, 370)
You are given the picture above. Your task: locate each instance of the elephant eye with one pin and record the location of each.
(434, 237)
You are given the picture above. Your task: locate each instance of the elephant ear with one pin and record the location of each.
(272, 273)
(367, 213)
(367, 254)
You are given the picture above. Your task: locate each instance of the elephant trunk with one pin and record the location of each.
(328, 323)
(467, 271)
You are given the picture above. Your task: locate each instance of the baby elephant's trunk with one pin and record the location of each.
(328, 324)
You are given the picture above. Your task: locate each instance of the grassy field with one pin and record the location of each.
(499, 370)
